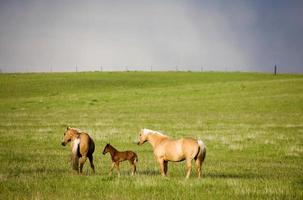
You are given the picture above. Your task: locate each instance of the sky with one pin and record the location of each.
(110, 35)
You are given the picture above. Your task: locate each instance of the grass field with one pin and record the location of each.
(251, 123)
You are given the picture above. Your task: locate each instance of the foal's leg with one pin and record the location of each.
(134, 166)
(82, 161)
(91, 161)
(117, 166)
(188, 167)
(111, 168)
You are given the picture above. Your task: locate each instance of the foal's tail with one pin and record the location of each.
(136, 159)
(202, 150)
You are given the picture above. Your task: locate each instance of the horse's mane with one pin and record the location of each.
(148, 131)
(112, 147)
(77, 131)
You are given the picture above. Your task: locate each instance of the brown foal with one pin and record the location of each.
(118, 157)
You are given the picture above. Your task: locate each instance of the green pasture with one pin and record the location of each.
(251, 123)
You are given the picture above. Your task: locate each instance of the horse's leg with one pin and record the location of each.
(188, 167)
(198, 166)
(75, 162)
(117, 166)
(165, 167)
(161, 162)
(91, 161)
(82, 161)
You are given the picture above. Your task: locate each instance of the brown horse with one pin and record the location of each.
(83, 147)
(119, 156)
(166, 149)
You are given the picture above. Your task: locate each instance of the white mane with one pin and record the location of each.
(148, 131)
(78, 130)
(75, 146)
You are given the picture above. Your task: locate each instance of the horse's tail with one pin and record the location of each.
(202, 150)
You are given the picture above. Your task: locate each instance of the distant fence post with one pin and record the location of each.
(275, 70)
(101, 68)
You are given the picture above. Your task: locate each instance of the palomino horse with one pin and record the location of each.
(83, 147)
(166, 149)
(118, 156)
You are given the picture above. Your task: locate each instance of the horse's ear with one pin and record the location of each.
(67, 128)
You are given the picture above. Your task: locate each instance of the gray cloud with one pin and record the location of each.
(239, 35)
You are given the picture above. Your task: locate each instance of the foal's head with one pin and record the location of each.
(69, 134)
(106, 149)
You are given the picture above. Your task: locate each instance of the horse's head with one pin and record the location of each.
(143, 136)
(68, 135)
(106, 149)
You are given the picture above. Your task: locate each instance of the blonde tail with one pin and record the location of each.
(202, 152)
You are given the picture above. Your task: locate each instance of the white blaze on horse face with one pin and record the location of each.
(143, 135)
(75, 145)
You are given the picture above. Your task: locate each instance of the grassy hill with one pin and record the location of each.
(252, 124)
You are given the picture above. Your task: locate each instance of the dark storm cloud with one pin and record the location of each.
(218, 35)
